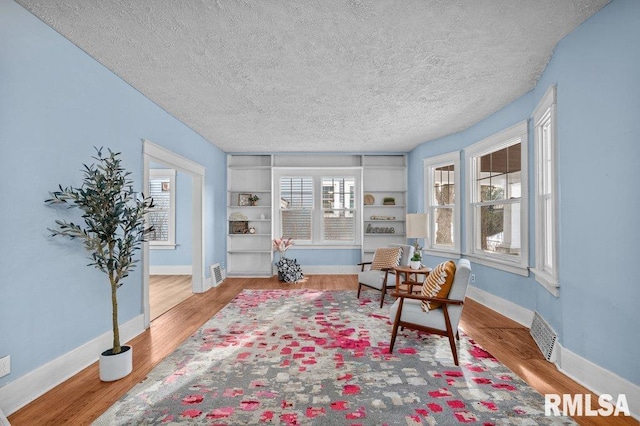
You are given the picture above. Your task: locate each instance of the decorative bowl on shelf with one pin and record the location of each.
(369, 199)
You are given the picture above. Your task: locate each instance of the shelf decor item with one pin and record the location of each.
(244, 199)
(253, 200)
(238, 216)
(380, 229)
(389, 201)
(281, 245)
(113, 230)
(368, 199)
(238, 227)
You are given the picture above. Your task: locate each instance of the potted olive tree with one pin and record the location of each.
(113, 230)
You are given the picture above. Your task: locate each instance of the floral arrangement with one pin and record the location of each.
(282, 244)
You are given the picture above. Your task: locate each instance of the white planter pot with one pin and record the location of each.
(415, 264)
(115, 367)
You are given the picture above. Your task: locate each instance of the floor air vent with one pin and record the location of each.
(216, 274)
(544, 336)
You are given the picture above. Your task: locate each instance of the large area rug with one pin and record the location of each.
(304, 357)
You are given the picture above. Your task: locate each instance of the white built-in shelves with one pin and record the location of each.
(384, 176)
(249, 254)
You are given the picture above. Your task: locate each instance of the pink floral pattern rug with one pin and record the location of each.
(305, 357)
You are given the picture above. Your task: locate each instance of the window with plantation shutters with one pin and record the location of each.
(338, 209)
(318, 206)
(162, 215)
(296, 207)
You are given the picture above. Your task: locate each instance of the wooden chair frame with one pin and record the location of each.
(449, 332)
(383, 290)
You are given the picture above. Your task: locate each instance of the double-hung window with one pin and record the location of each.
(497, 200)
(162, 215)
(544, 131)
(318, 207)
(442, 182)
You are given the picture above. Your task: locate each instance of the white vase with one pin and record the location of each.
(115, 367)
(414, 264)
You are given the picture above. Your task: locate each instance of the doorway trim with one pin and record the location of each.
(155, 153)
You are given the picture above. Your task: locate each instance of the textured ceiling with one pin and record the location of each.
(324, 75)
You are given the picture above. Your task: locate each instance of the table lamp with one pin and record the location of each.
(417, 227)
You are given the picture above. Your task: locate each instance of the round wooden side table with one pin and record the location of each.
(408, 272)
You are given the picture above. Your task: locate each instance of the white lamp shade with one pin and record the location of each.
(417, 225)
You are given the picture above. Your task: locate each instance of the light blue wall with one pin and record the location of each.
(56, 103)
(597, 72)
(183, 253)
(311, 257)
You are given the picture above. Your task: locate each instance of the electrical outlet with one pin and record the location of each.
(5, 365)
(473, 278)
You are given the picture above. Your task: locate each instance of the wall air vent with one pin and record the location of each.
(216, 275)
(544, 336)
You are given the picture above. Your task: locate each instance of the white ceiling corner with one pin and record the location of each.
(321, 76)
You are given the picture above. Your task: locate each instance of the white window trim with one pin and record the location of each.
(546, 110)
(318, 173)
(170, 244)
(490, 144)
(429, 165)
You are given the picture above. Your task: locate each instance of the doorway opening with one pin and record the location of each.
(154, 154)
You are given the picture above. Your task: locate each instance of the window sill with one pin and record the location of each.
(547, 281)
(511, 267)
(162, 246)
(442, 253)
(326, 246)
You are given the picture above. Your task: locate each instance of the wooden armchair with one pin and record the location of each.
(378, 279)
(407, 311)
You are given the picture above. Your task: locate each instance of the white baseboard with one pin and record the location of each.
(595, 378)
(509, 309)
(328, 269)
(15, 395)
(170, 270)
(3, 419)
(598, 379)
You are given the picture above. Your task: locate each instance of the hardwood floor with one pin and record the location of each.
(81, 399)
(167, 291)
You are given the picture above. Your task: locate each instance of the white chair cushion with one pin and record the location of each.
(412, 309)
(373, 278)
(412, 312)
